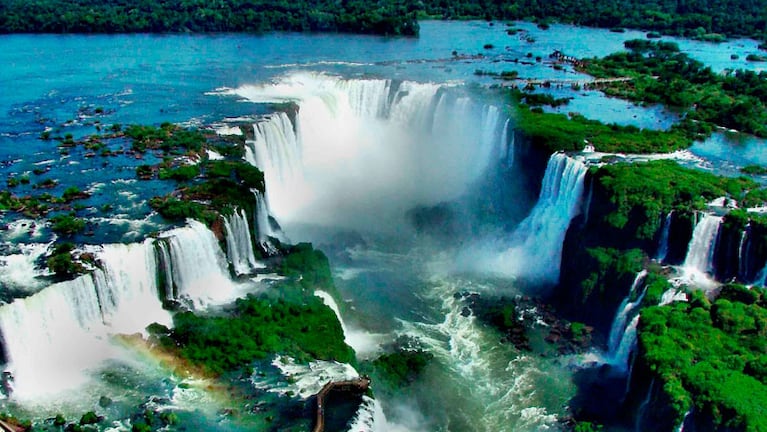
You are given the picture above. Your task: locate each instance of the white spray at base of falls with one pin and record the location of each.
(625, 309)
(364, 344)
(495, 386)
(56, 337)
(699, 262)
(534, 249)
(361, 153)
(239, 245)
(198, 265)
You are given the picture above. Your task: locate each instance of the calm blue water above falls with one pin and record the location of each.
(384, 126)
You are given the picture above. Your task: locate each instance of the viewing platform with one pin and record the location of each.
(359, 385)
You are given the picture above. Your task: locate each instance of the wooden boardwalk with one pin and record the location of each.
(359, 385)
(7, 427)
(584, 83)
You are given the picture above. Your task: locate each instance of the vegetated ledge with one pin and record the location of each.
(708, 358)
(607, 246)
(610, 242)
(559, 132)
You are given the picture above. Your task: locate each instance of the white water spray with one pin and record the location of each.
(700, 253)
(536, 244)
(57, 337)
(363, 343)
(361, 153)
(239, 245)
(198, 266)
(625, 309)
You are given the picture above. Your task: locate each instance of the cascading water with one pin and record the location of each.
(536, 244)
(163, 255)
(700, 253)
(743, 250)
(198, 266)
(128, 283)
(239, 245)
(663, 242)
(263, 225)
(363, 343)
(361, 153)
(626, 308)
(54, 338)
(761, 278)
(620, 358)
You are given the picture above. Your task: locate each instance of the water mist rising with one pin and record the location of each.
(55, 337)
(534, 250)
(361, 153)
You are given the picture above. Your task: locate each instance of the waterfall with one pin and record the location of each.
(52, 338)
(163, 254)
(331, 303)
(700, 252)
(620, 358)
(626, 308)
(55, 338)
(643, 407)
(761, 277)
(263, 226)
(362, 342)
(743, 250)
(684, 420)
(536, 250)
(359, 154)
(508, 145)
(663, 243)
(587, 204)
(128, 283)
(198, 265)
(239, 245)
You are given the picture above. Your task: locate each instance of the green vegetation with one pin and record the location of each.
(114, 16)
(289, 320)
(754, 170)
(698, 19)
(400, 368)
(67, 224)
(181, 174)
(640, 193)
(560, 132)
(755, 198)
(226, 184)
(711, 356)
(168, 137)
(61, 262)
(662, 74)
(611, 268)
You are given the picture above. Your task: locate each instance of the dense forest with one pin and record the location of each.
(130, 16)
(703, 19)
